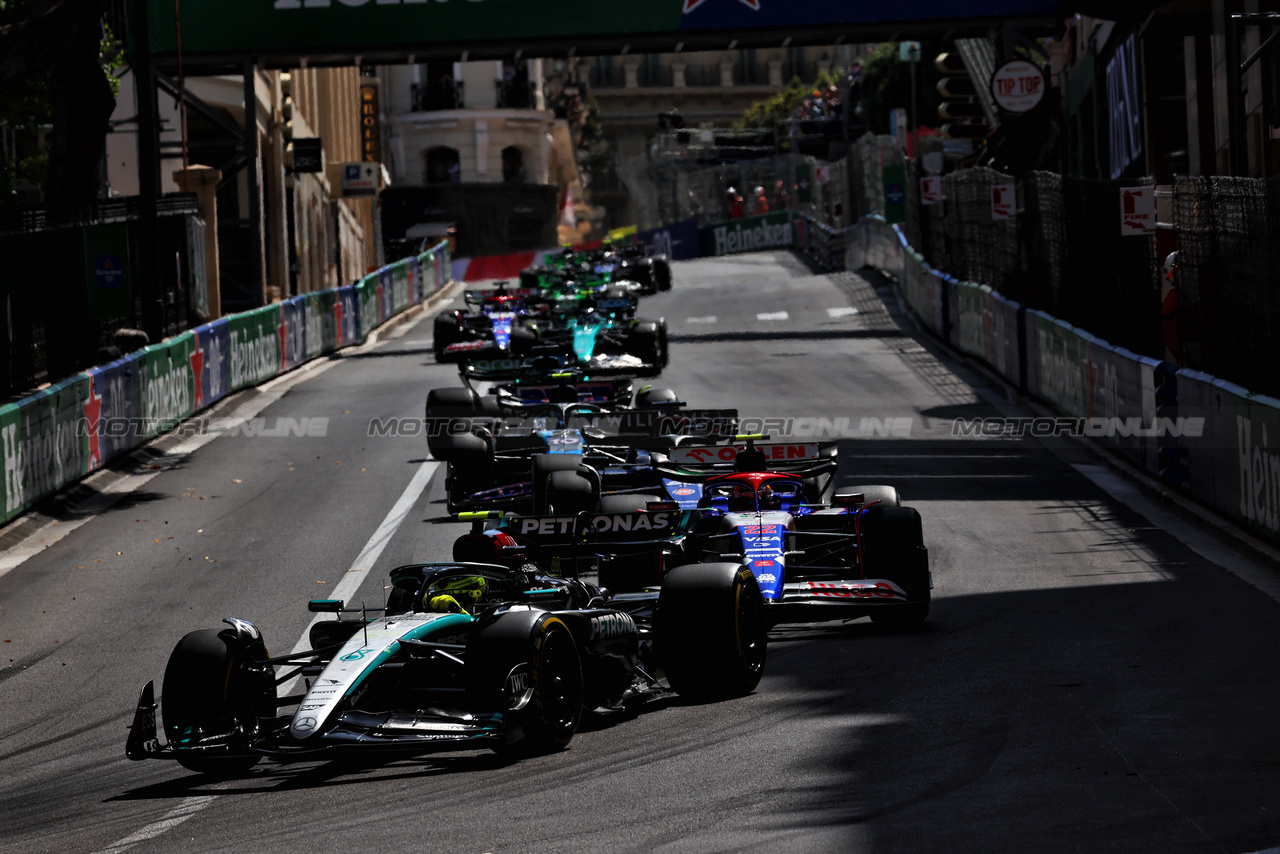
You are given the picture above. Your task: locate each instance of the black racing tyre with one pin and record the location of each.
(530, 653)
(893, 548)
(627, 502)
(886, 495)
(662, 272)
(452, 403)
(530, 279)
(210, 688)
(444, 332)
(570, 492)
(651, 396)
(464, 451)
(542, 468)
(647, 341)
(523, 340)
(711, 630)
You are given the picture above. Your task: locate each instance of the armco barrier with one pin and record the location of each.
(59, 434)
(1196, 432)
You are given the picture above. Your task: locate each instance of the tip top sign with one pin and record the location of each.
(1018, 86)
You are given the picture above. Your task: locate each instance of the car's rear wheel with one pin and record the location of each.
(647, 341)
(711, 630)
(543, 467)
(570, 492)
(444, 332)
(662, 272)
(211, 688)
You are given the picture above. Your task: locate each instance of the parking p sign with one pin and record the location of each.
(360, 179)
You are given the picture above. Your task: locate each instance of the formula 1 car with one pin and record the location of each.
(489, 653)
(856, 553)
(502, 450)
(495, 323)
(616, 264)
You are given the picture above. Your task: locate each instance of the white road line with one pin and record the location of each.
(173, 818)
(773, 315)
(346, 586)
(710, 318)
(352, 578)
(53, 532)
(844, 311)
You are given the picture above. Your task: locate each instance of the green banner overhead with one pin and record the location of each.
(331, 29)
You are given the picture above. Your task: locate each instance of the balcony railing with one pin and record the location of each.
(437, 95)
(518, 94)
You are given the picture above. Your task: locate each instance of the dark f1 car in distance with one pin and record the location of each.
(515, 456)
(490, 653)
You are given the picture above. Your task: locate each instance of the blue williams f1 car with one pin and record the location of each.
(486, 651)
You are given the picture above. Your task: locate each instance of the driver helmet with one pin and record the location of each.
(457, 595)
(742, 499)
(768, 498)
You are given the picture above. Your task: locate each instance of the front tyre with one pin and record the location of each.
(211, 687)
(526, 665)
(893, 546)
(711, 630)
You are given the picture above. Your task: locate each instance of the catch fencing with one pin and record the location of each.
(1211, 438)
(71, 428)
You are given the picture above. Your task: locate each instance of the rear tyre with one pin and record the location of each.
(523, 340)
(444, 333)
(648, 343)
(529, 658)
(211, 688)
(711, 630)
(626, 502)
(544, 465)
(570, 492)
(662, 272)
(893, 543)
(655, 396)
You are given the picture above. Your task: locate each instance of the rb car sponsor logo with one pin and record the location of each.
(880, 590)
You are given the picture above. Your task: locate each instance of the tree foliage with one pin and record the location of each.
(56, 97)
(886, 85)
(776, 110)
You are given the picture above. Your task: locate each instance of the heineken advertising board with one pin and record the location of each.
(749, 234)
(351, 27)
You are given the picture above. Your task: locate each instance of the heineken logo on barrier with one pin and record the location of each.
(253, 357)
(40, 454)
(751, 234)
(166, 392)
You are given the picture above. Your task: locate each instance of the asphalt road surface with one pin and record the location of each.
(1087, 681)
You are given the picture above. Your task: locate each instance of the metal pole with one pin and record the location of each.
(914, 123)
(253, 178)
(147, 262)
